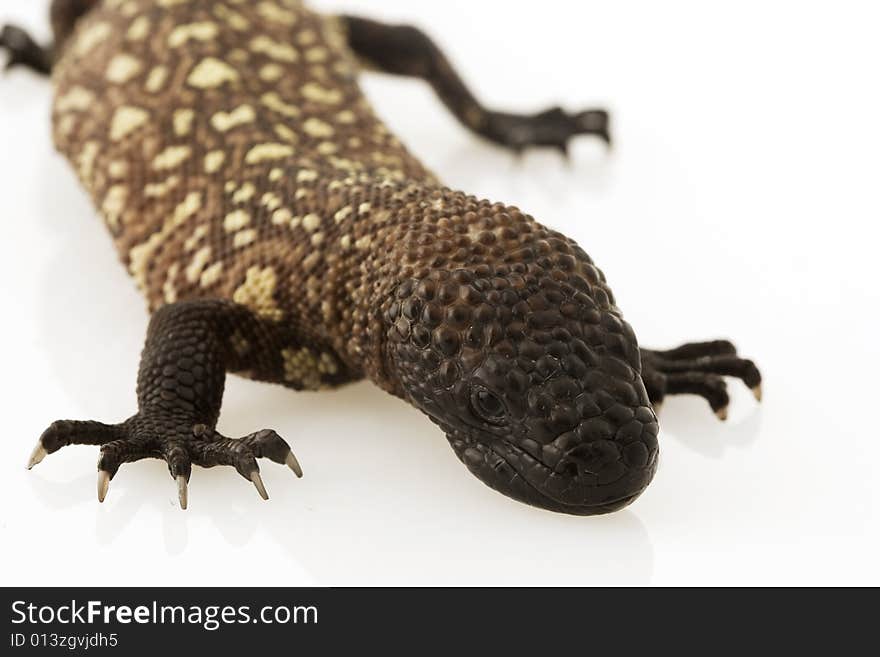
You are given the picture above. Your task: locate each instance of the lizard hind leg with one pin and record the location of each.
(698, 369)
(180, 387)
(24, 51)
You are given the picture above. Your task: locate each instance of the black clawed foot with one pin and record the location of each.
(698, 369)
(182, 491)
(242, 454)
(554, 128)
(180, 444)
(268, 444)
(24, 51)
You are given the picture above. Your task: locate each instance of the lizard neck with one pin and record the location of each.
(417, 249)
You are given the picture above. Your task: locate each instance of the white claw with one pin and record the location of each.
(182, 492)
(103, 484)
(258, 483)
(758, 392)
(37, 455)
(722, 413)
(293, 464)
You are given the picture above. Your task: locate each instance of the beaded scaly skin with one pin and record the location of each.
(279, 231)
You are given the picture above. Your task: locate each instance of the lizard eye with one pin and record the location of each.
(487, 406)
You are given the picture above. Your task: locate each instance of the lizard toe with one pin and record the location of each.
(699, 368)
(242, 454)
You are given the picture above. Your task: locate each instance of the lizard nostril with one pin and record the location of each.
(599, 461)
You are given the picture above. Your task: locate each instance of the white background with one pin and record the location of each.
(741, 200)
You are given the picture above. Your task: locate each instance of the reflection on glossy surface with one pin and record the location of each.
(396, 508)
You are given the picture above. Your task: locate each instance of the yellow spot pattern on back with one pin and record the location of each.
(318, 128)
(183, 120)
(203, 31)
(169, 292)
(77, 99)
(311, 222)
(286, 133)
(158, 190)
(244, 237)
(140, 255)
(263, 152)
(271, 72)
(257, 292)
(123, 68)
(201, 258)
(171, 157)
(235, 20)
(224, 121)
(282, 217)
(229, 150)
(118, 169)
(156, 79)
(126, 120)
(318, 94)
(304, 368)
(214, 161)
(346, 117)
(274, 102)
(211, 73)
(271, 201)
(91, 37)
(283, 52)
(272, 12)
(316, 55)
(114, 204)
(198, 235)
(139, 29)
(244, 193)
(236, 220)
(211, 275)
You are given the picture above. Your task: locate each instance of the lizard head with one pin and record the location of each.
(534, 377)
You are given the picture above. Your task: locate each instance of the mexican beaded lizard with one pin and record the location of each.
(279, 231)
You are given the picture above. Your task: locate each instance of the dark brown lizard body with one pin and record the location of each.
(278, 230)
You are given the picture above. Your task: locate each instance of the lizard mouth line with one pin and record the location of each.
(511, 467)
(611, 502)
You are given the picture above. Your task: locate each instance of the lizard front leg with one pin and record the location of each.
(406, 50)
(190, 345)
(698, 369)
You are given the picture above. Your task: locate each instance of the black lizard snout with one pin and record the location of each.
(598, 455)
(609, 471)
(594, 468)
